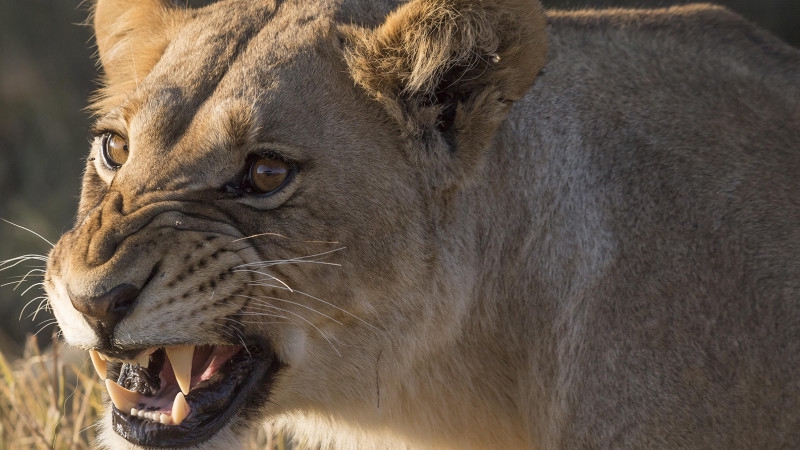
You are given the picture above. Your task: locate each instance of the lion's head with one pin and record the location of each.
(260, 229)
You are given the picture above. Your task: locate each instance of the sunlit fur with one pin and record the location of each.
(508, 229)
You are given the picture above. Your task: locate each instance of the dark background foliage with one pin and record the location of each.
(47, 71)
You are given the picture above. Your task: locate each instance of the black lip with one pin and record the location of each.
(212, 405)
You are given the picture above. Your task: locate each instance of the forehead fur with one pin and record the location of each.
(134, 37)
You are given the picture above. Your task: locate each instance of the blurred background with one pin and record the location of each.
(47, 71)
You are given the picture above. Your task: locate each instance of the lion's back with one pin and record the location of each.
(669, 140)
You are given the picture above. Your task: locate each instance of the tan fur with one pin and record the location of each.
(426, 48)
(131, 37)
(508, 230)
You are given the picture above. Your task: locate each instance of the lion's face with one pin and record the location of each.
(254, 230)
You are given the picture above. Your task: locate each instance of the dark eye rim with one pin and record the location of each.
(107, 160)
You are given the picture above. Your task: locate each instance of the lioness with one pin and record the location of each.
(443, 223)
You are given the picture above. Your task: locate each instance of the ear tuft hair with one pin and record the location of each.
(131, 38)
(418, 44)
(448, 70)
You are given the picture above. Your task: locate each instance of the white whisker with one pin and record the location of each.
(298, 316)
(252, 236)
(302, 306)
(30, 287)
(262, 314)
(28, 275)
(322, 301)
(236, 333)
(29, 231)
(258, 322)
(13, 262)
(46, 324)
(41, 299)
(266, 275)
(295, 260)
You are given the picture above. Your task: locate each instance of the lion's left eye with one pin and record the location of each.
(114, 150)
(267, 175)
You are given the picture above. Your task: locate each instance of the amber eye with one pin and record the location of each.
(114, 150)
(267, 174)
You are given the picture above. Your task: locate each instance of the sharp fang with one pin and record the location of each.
(122, 398)
(180, 356)
(100, 364)
(180, 409)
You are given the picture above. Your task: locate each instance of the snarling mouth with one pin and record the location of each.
(181, 395)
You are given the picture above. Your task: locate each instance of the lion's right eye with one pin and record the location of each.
(114, 150)
(267, 175)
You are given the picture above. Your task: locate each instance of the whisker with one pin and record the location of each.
(237, 334)
(301, 318)
(277, 262)
(46, 324)
(295, 260)
(13, 262)
(266, 275)
(230, 319)
(268, 322)
(324, 302)
(41, 299)
(30, 274)
(302, 306)
(256, 312)
(263, 314)
(28, 230)
(252, 236)
(31, 287)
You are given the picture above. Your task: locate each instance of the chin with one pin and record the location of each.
(224, 438)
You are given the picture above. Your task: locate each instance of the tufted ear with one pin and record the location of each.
(131, 37)
(449, 71)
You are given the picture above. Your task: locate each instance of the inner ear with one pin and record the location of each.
(446, 99)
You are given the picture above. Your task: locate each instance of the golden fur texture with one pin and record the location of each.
(503, 228)
(427, 56)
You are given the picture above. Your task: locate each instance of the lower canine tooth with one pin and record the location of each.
(99, 363)
(122, 398)
(180, 409)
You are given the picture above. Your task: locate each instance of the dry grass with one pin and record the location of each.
(51, 400)
(47, 402)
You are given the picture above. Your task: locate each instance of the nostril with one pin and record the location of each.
(108, 308)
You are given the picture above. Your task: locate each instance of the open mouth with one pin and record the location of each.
(181, 395)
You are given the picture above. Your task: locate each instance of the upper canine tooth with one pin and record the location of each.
(99, 363)
(122, 398)
(180, 356)
(180, 409)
